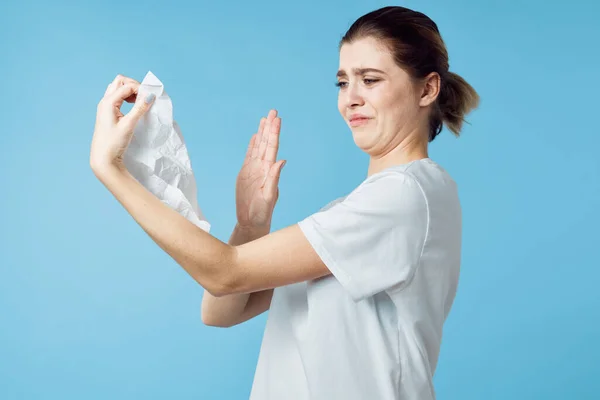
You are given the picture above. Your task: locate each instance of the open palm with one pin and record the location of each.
(257, 183)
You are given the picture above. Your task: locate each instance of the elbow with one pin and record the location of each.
(215, 323)
(212, 315)
(218, 290)
(221, 284)
(217, 318)
(221, 281)
(214, 287)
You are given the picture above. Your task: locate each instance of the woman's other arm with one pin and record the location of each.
(234, 309)
(256, 193)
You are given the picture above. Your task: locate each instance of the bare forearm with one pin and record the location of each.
(225, 310)
(204, 257)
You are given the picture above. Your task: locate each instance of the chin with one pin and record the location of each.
(362, 138)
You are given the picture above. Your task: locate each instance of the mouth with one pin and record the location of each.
(359, 121)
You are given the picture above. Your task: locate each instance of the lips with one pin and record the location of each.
(357, 121)
(358, 117)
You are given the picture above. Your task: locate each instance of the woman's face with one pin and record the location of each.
(372, 84)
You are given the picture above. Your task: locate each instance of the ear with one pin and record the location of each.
(430, 89)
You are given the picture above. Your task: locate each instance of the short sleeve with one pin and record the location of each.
(372, 240)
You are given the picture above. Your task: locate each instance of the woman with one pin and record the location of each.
(362, 287)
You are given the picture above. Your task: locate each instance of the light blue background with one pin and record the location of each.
(92, 308)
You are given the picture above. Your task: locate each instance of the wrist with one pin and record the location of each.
(244, 234)
(254, 231)
(102, 169)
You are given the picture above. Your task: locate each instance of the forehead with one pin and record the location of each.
(365, 53)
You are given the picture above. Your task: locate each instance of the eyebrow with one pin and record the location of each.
(358, 71)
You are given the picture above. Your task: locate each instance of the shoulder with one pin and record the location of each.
(395, 177)
(391, 189)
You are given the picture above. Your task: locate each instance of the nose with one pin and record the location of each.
(353, 97)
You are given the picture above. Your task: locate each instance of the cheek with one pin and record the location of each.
(398, 109)
(384, 99)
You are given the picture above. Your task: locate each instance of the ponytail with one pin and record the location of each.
(456, 99)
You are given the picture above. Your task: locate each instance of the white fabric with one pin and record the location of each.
(157, 156)
(372, 329)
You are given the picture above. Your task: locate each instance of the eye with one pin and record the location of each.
(366, 81)
(370, 81)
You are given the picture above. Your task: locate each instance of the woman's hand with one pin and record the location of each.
(113, 130)
(257, 183)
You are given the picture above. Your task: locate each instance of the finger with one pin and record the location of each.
(114, 85)
(116, 98)
(141, 106)
(272, 181)
(251, 146)
(126, 92)
(264, 140)
(265, 134)
(273, 142)
(261, 127)
(119, 81)
(133, 97)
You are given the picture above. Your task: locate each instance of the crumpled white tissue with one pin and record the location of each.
(157, 156)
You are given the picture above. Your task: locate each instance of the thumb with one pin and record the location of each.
(274, 174)
(141, 106)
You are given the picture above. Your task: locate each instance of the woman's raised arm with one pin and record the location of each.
(277, 259)
(219, 267)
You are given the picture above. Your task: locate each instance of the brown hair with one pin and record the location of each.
(417, 46)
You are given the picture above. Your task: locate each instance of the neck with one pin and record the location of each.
(409, 150)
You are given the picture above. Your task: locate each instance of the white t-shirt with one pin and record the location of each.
(372, 330)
